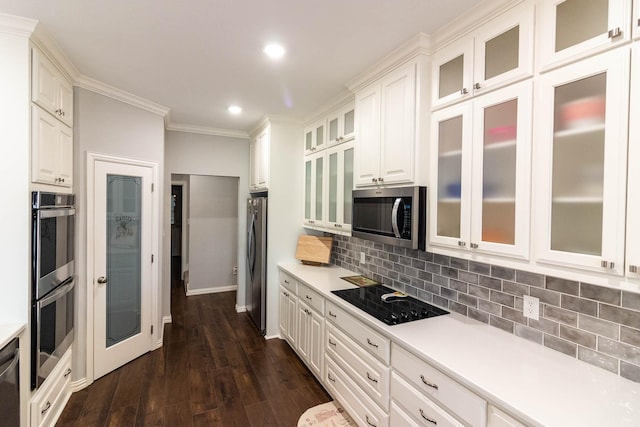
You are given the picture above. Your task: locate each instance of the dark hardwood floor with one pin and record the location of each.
(213, 370)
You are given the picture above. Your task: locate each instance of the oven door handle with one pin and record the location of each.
(52, 213)
(394, 217)
(14, 362)
(57, 293)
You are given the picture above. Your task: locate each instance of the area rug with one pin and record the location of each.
(328, 414)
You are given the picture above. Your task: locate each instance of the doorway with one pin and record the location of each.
(176, 235)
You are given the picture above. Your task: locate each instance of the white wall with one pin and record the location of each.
(213, 233)
(15, 173)
(107, 126)
(196, 154)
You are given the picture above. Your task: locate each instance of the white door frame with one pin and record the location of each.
(91, 160)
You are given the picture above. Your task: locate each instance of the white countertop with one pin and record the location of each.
(538, 385)
(9, 331)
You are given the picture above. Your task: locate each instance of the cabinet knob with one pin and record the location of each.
(476, 86)
(633, 269)
(615, 32)
(464, 91)
(380, 180)
(462, 244)
(374, 180)
(474, 246)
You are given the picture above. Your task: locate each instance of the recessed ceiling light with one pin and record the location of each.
(274, 51)
(234, 109)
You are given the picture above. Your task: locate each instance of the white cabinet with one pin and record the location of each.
(633, 180)
(259, 161)
(341, 125)
(571, 29)
(52, 149)
(497, 418)
(386, 129)
(581, 138)
(311, 328)
(314, 189)
(49, 400)
(314, 138)
(499, 53)
(50, 89)
(288, 309)
(339, 184)
(481, 163)
(412, 373)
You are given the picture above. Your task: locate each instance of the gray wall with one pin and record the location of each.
(195, 154)
(213, 232)
(107, 126)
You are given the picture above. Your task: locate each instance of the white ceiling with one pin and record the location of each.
(197, 57)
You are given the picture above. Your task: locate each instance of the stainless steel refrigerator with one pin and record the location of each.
(256, 290)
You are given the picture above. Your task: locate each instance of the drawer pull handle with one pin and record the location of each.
(308, 297)
(372, 344)
(434, 422)
(332, 315)
(369, 422)
(371, 379)
(66, 374)
(427, 383)
(333, 343)
(47, 407)
(286, 281)
(330, 378)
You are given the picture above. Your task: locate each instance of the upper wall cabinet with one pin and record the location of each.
(314, 190)
(339, 184)
(50, 89)
(499, 53)
(314, 138)
(341, 125)
(581, 140)
(482, 168)
(571, 29)
(259, 161)
(386, 129)
(633, 193)
(51, 150)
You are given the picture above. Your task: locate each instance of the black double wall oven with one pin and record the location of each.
(53, 280)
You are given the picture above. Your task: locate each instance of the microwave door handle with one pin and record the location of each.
(57, 293)
(394, 217)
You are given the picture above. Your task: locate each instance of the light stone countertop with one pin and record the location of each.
(9, 331)
(540, 386)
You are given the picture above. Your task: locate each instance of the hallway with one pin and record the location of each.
(213, 370)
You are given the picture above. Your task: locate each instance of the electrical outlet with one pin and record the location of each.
(235, 270)
(362, 258)
(531, 307)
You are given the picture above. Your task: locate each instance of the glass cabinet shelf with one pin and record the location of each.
(579, 132)
(577, 200)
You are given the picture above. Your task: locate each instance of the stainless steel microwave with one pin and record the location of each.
(395, 216)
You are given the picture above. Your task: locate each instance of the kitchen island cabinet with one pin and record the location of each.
(521, 382)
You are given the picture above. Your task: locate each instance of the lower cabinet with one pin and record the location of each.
(497, 418)
(288, 321)
(49, 400)
(311, 331)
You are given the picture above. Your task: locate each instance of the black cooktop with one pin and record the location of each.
(392, 311)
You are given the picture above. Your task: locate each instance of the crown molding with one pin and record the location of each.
(272, 118)
(17, 25)
(48, 45)
(204, 130)
(88, 83)
(420, 44)
(470, 21)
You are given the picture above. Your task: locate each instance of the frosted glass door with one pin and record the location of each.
(124, 214)
(333, 188)
(452, 73)
(318, 190)
(307, 189)
(348, 188)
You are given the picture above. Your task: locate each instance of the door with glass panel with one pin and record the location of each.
(122, 264)
(314, 170)
(582, 145)
(339, 183)
(575, 28)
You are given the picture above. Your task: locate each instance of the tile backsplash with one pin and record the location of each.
(598, 325)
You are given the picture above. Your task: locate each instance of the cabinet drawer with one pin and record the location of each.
(399, 418)
(288, 282)
(370, 374)
(311, 298)
(459, 400)
(372, 341)
(497, 418)
(419, 407)
(355, 401)
(49, 400)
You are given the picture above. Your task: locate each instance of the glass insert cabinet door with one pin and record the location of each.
(314, 187)
(339, 186)
(583, 144)
(124, 254)
(579, 27)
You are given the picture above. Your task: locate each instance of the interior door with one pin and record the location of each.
(122, 264)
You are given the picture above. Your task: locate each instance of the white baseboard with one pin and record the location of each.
(241, 308)
(270, 337)
(78, 385)
(213, 290)
(165, 320)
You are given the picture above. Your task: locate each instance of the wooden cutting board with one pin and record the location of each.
(314, 250)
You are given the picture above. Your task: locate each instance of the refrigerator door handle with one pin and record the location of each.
(251, 247)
